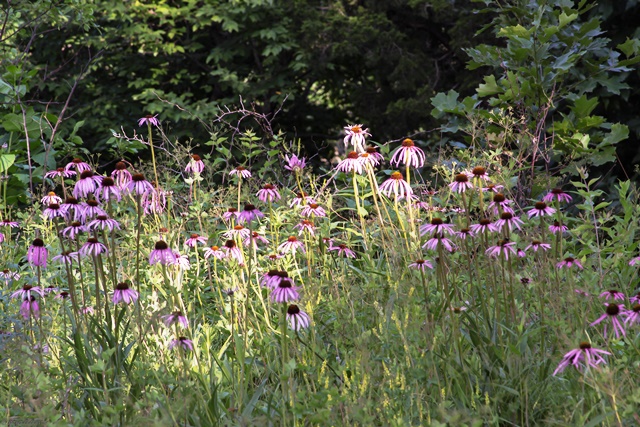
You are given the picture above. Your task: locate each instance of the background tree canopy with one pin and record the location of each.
(327, 63)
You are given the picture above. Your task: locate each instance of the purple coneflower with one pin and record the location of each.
(237, 231)
(176, 318)
(459, 309)
(484, 226)
(60, 173)
(162, 254)
(241, 172)
(214, 251)
(436, 226)
(50, 288)
(71, 205)
(66, 257)
(297, 318)
(343, 250)
(37, 253)
(123, 293)
(313, 210)
(51, 198)
(569, 262)
(306, 225)
(155, 201)
(77, 164)
(397, 186)
(90, 209)
(103, 222)
(149, 120)
(612, 312)
(635, 299)
(493, 188)
(73, 230)
(634, 261)
(87, 184)
(194, 239)
(230, 213)
(195, 165)
(367, 160)
(63, 296)
(181, 342)
(421, 264)
(461, 183)
(8, 223)
(54, 211)
(556, 227)
(285, 291)
(274, 257)
(352, 163)
(374, 157)
(464, 233)
(233, 251)
(291, 245)
(26, 291)
(582, 357)
(503, 247)
(182, 261)
(9, 276)
(249, 213)
(479, 173)
(30, 307)
(138, 186)
(108, 190)
(295, 163)
(536, 244)
(301, 199)
(613, 295)
(582, 293)
(557, 194)
(256, 238)
(439, 240)
(500, 202)
(541, 209)
(93, 247)
(408, 154)
(121, 175)
(272, 278)
(356, 136)
(633, 315)
(509, 220)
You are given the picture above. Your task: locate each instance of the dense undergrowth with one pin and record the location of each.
(359, 296)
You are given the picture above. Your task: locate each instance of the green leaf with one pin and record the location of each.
(6, 160)
(514, 31)
(619, 132)
(630, 47)
(444, 103)
(40, 158)
(565, 19)
(489, 87)
(584, 106)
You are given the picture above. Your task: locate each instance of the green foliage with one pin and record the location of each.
(30, 131)
(550, 70)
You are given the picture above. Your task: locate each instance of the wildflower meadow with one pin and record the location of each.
(483, 274)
